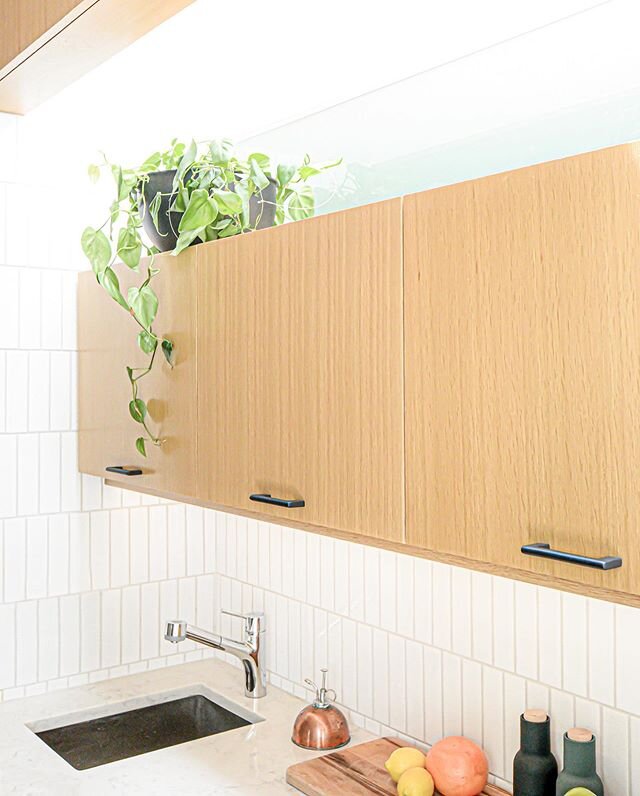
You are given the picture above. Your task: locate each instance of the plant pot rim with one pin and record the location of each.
(173, 171)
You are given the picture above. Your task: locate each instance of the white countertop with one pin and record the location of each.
(249, 760)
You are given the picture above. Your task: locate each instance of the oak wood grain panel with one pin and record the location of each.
(49, 44)
(300, 370)
(522, 296)
(355, 771)
(107, 343)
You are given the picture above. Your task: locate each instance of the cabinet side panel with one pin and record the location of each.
(107, 344)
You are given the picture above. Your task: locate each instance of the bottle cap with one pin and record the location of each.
(580, 734)
(535, 715)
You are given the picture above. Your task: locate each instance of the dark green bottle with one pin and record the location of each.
(535, 770)
(579, 763)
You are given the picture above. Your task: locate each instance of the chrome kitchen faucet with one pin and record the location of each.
(250, 651)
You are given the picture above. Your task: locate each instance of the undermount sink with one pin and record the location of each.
(126, 729)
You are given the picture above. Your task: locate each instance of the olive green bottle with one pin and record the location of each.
(579, 763)
(535, 770)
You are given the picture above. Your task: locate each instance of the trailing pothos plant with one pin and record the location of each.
(211, 194)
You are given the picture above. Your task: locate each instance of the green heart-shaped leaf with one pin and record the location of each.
(97, 249)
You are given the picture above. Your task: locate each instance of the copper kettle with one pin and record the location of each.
(321, 725)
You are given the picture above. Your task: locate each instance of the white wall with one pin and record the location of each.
(88, 573)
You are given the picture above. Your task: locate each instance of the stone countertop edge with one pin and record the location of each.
(248, 760)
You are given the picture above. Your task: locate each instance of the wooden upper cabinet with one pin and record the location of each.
(522, 300)
(300, 370)
(47, 44)
(107, 344)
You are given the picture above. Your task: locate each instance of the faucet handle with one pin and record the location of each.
(232, 613)
(253, 621)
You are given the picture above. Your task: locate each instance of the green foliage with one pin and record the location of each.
(212, 189)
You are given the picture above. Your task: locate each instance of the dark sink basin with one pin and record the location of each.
(86, 744)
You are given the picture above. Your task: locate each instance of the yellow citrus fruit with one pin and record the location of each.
(416, 782)
(402, 759)
(580, 792)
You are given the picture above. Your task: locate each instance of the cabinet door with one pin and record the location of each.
(107, 344)
(300, 363)
(522, 296)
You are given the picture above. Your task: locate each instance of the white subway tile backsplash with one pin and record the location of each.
(481, 616)
(38, 397)
(364, 671)
(37, 557)
(503, 624)
(451, 694)
(51, 318)
(372, 586)
(433, 697)
(130, 624)
(9, 489)
(574, 641)
(60, 396)
(48, 639)
(414, 689)
(381, 685)
(526, 629)
(50, 479)
(341, 577)
(388, 590)
(90, 630)
(514, 704)
(615, 751)
(627, 682)
(397, 683)
(139, 545)
(176, 542)
(8, 658)
(26, 643)
(69, 635)
(405, 601)
(9, 308)
(15, 560)
(195, 540)
(71, 481)
(550, 636)
(58, 554)
(79, 553)
(111, 617)
(28, 474)
(601, 651)
(461, 637)
(562, 709)
(17, 390)
(151, 621)
(119, 548)
(29, 302)
(471, 700)
(493, 720)
(634, 755)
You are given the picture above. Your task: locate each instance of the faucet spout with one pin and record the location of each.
(250, 651)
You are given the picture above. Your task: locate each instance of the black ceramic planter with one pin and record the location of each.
(262, 209)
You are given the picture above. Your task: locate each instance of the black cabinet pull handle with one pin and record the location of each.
(121, 469)
(287, 504)
(544, 550)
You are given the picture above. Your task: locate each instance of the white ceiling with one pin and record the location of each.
(221, 69)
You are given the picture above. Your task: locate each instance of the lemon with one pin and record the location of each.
(580, 792)
(416, 782)
(402, 759)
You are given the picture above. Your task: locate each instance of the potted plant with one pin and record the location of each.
(178, 198)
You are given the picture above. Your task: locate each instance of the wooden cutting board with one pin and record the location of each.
(356, 771)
